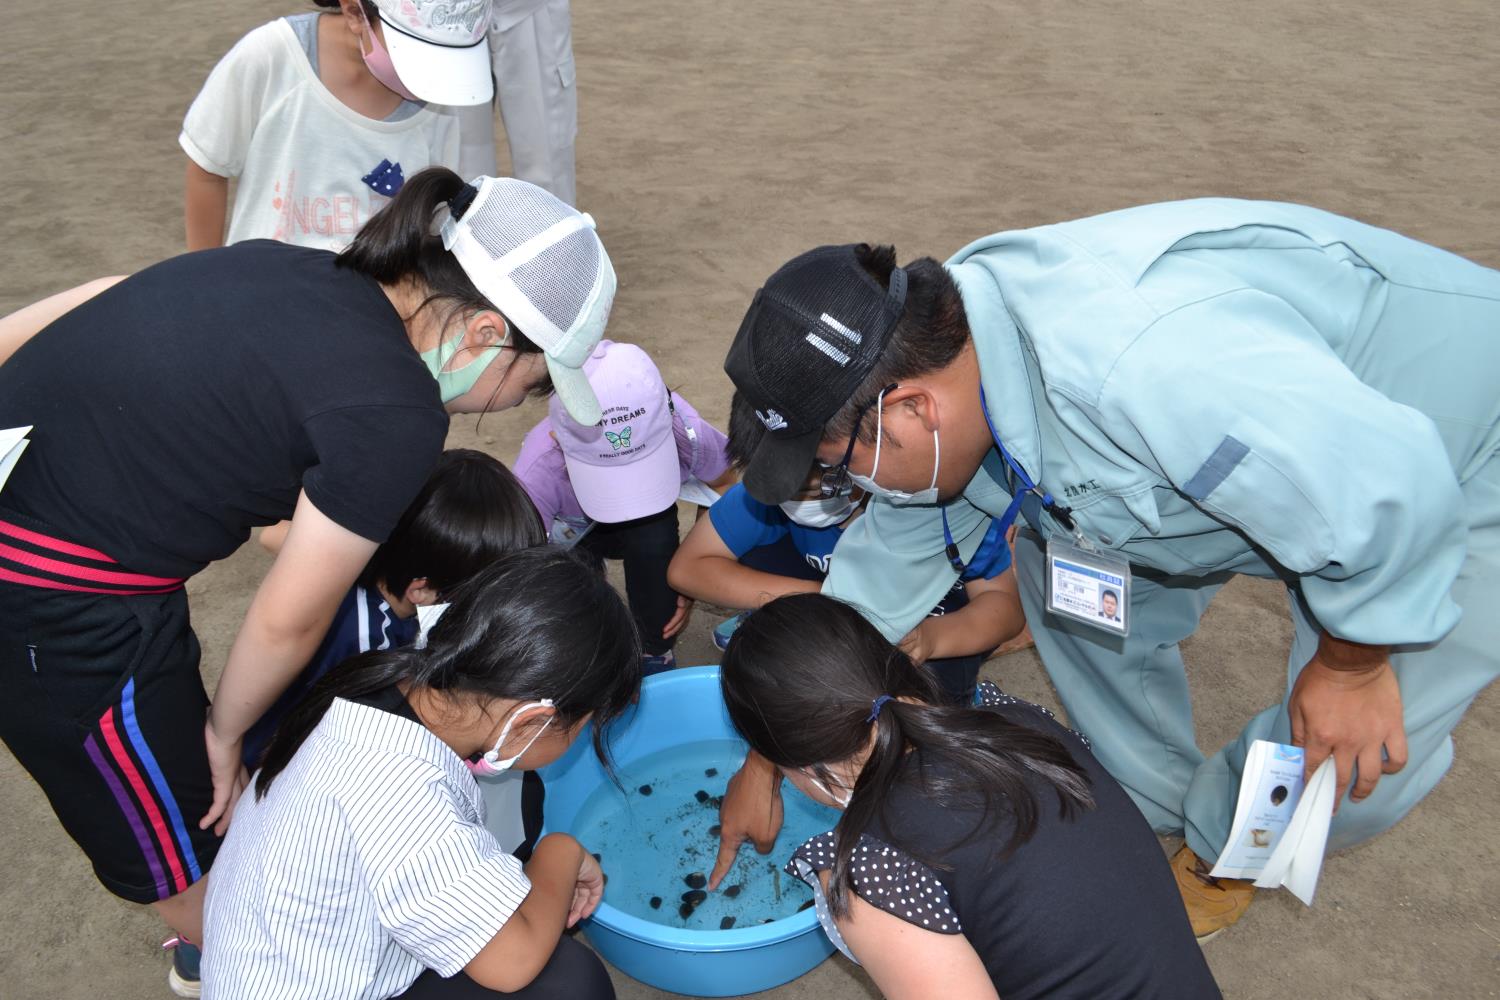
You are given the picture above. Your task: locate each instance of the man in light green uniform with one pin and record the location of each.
(1201, 388)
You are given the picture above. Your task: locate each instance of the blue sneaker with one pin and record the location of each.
(183, 978)
(660, 663)
(725, 629)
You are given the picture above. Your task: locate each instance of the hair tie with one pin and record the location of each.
(877, 705)
(460, 202)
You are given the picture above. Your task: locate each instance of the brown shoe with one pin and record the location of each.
(1212, 903)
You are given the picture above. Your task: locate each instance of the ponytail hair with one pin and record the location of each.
(400, 243)
(539, 623)
(800, 679)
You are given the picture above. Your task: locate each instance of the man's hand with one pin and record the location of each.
(1347, 704)
(751, 811)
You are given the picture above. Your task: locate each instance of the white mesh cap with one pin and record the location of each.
(540, 262)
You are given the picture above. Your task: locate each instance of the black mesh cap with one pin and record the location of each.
(807, 343)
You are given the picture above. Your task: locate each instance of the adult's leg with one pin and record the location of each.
(572, 973)
(534, 81)
(1130, 695)
(1437, 685)
(103, 705)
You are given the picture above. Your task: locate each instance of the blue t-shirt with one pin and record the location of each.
(364, 621)
(744, 523)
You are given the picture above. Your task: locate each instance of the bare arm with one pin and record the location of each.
(992, 616)
(909, 963)
(206, 203)
(705, 569)
(273, 536)
(288, 617)
(23, 324)
(566, 885)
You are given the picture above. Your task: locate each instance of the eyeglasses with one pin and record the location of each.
(836, 481)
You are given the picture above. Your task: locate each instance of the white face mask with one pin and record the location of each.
(819, 513)
(490, 765)
(843, 803)
(898, 498)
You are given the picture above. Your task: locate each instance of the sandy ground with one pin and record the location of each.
(718, 139)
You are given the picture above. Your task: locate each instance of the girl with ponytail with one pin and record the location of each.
(982, 851)
(359, 864)
(180, 408)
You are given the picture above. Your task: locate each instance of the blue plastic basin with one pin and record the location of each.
(677, 707)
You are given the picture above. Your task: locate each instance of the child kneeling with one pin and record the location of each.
(358, 863)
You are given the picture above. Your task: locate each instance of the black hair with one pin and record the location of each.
(800, 679)
(538, 623)
(471, 510)
(932, 331)
(400, 244)
(1111, 594)
(371, 11)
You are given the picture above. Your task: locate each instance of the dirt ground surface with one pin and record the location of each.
(717, 140)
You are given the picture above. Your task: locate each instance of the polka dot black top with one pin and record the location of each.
(1086, 908)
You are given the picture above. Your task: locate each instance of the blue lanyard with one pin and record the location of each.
(982, 563)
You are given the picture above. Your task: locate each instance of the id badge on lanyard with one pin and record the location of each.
(1083, 583)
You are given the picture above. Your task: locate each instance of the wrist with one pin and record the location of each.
(1350, 657)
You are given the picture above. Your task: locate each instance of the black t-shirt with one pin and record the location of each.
(1087, 909)
(193, 400)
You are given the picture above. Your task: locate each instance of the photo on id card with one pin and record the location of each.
(1089, 587)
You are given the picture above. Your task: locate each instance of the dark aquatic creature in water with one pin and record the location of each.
(685, 910)
(715, 830)
(655, 902)
(734, 890)
(804, 906)
(697, 880)
(711, 772)
(726, 923)
(701, 796)
(597, 856)
(646, 789)
(694, 896)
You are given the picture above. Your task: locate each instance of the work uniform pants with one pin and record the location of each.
(1131, 696)
(536, 90)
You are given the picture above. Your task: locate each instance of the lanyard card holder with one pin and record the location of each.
(1088, 586)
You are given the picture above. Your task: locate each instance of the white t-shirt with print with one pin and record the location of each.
(300, 154)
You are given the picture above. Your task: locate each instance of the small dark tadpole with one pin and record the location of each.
(734, 890)
(769, 920)
(646, 789)
(694, 896)
(597, 856)
(697, 880)
(726, 923)
(701, 796)
(655, 902)
(685, 910)
(710, 772)
(805, 906)
(715, 830)
(716, 800)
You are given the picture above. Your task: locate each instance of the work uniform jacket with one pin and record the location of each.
(1222, 385)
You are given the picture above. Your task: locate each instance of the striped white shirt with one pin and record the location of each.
(366, 863)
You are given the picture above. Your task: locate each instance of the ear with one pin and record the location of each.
(918, 401)
(353, 13)
(420, 594)
(486, 328)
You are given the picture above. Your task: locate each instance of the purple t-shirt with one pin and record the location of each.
(701, 454)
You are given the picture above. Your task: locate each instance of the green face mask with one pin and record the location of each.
(452, 384)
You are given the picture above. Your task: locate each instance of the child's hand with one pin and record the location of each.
(588, 891)
(917, 645)
(679, 620)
